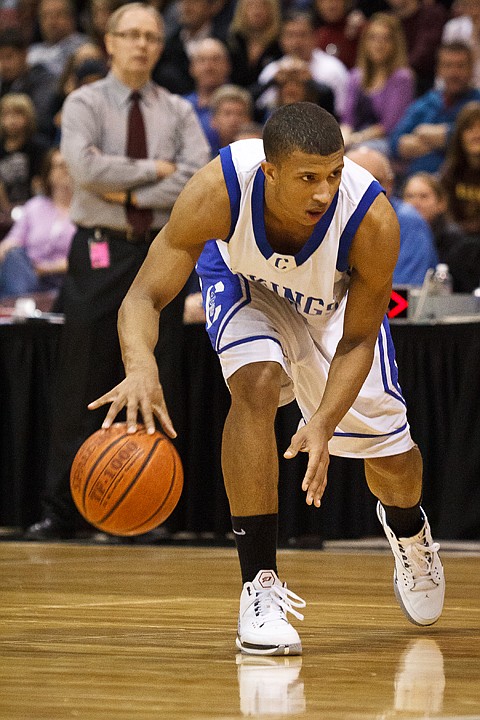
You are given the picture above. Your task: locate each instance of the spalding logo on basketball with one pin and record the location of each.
(126, 484)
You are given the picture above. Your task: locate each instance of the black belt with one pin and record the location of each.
(123, 235)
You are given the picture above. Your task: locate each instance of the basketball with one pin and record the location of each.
(126, 483)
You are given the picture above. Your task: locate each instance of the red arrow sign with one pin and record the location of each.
(400, 305)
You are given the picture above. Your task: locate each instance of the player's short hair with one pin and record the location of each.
(301, 126)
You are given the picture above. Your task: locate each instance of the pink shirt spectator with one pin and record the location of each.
(389, 103)
(43, 231)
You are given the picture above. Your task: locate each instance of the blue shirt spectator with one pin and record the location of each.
(421, 136)
(417, 245)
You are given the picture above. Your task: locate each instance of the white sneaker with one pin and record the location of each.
(270, 685)
(263, 628)
(418, 579)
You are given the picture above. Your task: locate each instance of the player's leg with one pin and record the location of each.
(250, 468)
(418, 577)
(376, 429)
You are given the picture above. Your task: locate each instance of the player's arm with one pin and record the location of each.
(373, 256)
(201, 212)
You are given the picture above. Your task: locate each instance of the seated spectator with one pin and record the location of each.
(297, 39)
(420, 138)
(466, 28)
(423, 26)
(21, 153)
(86, 64)
(17, 76)
(426, 193)
(381, 86)
(417, 245)
(250, 130)
(460, 175)
(33, 256)
(232, 108)
(294, 83)
(59, 37)
(253, 39)
(195, 24)
(210, 69)
(96, 25)
(338, 31)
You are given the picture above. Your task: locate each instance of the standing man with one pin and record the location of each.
(295, 290)
(130, 146)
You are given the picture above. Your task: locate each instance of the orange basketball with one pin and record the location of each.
(126, 484)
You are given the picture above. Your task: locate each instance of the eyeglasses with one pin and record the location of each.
(134, 36)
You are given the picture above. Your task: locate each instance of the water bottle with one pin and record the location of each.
(441, 282)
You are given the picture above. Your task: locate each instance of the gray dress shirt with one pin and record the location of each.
(93, 142)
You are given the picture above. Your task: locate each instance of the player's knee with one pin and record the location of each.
(257, 386)
(400, 477)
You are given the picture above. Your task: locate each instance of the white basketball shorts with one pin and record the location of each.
(248, 323)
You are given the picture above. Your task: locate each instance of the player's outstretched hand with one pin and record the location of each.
(312, 440)
(139, 394)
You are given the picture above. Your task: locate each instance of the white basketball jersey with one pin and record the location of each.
(315, 279)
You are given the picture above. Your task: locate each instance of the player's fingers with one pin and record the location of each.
(132, 415)
(113, 411)
(294, 448)
(316, 486)
(161, 412)
(147, 414)
(312, 468)
(99, 402)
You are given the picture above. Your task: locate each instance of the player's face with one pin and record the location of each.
(135, 45)
(303, 186)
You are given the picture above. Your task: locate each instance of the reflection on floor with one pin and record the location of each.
(147, 633)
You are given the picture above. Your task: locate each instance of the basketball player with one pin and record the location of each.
(295, 290)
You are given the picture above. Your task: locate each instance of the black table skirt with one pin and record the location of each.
(439, 370)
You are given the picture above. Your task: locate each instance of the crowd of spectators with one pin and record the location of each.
(401, 76)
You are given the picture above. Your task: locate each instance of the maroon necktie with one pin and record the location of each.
(139, 218)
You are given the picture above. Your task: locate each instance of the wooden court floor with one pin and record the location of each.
(147, 633)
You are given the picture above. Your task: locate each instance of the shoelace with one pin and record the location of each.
(418, 558)
(275, 602)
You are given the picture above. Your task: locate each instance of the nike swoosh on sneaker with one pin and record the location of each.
(240, 532)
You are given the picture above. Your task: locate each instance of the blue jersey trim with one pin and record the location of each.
(246, 299)
(233, 187)
(242, 341)
(387, 355)
(366, 435)
(352, 225)
(258, 218)
(258, 221)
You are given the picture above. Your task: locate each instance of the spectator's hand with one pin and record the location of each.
(118, 197)
(164, 168)
(312, 439)
(433, 135)
(412, 146)
(193, 312)
(5, 247)
(292, 67)
(142, 393)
